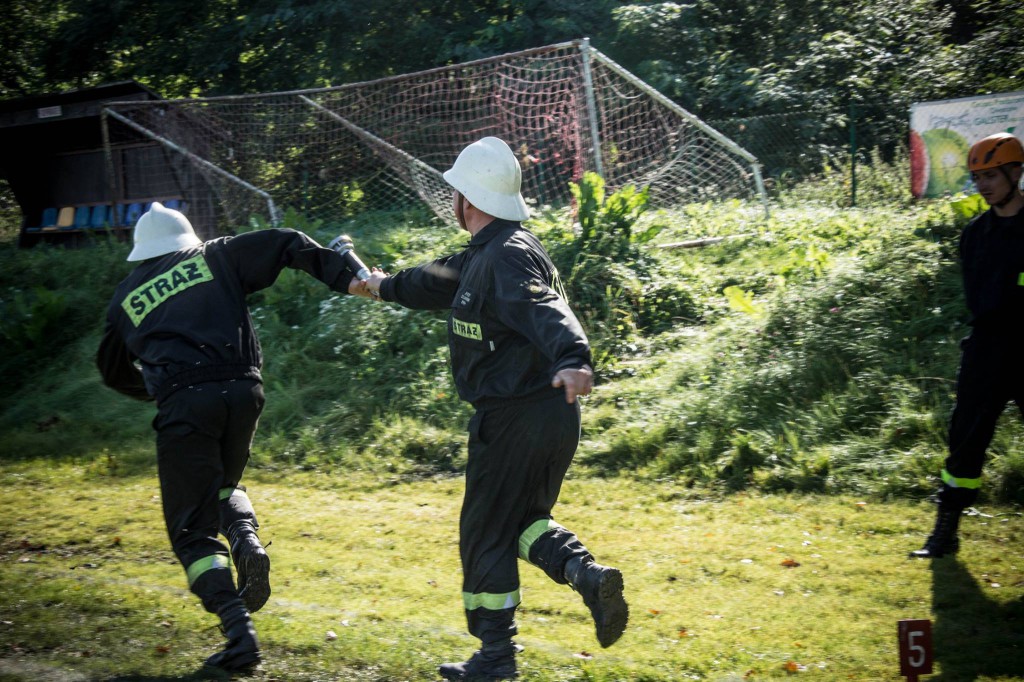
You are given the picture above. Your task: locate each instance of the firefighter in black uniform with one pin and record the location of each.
(991, 365)
(521, 358)
(181, 316)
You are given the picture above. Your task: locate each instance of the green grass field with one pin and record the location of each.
(769, 415)
(367, 583)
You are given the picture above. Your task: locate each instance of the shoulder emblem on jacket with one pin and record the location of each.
(534, 287)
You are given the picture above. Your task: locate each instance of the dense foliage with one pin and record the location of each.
(718, 59)
(814, 350)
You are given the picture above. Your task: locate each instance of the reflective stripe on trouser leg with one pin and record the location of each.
(494, 602)
(207, 563)
(958, 493)
(235, 505)
(210, 580)
(490, 617)
(549, 546)
(530, 535)
(956, 482)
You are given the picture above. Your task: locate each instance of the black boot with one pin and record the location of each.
(601, 589)
(252, 564)
(495, 661)
(943, 539)
(242, 652)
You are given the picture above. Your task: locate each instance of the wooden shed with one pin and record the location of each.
(67, 187)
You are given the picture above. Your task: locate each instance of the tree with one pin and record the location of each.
(26, 28)
(718, 59)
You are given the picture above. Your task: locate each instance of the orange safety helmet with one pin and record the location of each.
(994, 151)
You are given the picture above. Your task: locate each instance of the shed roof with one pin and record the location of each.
(62, 106)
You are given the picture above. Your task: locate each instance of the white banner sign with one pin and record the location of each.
(941, 134)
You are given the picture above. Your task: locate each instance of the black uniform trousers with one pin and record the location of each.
(518, 456)
(991, 374)
(204, 433)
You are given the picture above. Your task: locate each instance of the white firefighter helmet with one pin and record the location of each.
(487, 173)
(161, 230)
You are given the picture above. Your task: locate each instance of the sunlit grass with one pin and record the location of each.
(720, 588)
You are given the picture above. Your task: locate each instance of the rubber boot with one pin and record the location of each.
(495, 661)
(943, 539)
(252, 564)
(601, 589)
(242, 652)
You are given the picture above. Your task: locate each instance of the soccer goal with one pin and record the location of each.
(379, 147)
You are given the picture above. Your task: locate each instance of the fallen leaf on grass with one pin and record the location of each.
(584, 655)
(162, 649)
(683, 632)
(789, 563)
(654, 612)
(793, 667)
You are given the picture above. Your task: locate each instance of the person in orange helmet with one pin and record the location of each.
(991, 365)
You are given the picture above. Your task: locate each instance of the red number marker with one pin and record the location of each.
(915, 648)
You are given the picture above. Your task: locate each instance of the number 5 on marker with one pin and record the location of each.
(915, 648)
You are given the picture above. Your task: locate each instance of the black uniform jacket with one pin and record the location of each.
(184, 318)
(992, 255)
(509, 332)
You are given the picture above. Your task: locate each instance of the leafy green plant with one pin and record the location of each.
(604, 261)
(965, 208)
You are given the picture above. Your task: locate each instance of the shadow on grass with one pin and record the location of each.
(200, 674)
(973, 635)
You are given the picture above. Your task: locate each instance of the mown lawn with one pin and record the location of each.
(367, 583)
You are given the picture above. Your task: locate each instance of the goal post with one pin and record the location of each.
(372, 149)
(703, 139)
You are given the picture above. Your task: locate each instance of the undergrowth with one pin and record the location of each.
(814, 350)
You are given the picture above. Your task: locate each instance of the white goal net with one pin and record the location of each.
(379, 147)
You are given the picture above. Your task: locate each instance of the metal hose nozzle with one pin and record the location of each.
(344, 246)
